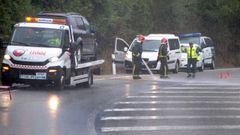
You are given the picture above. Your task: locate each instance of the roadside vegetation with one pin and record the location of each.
(218, 19)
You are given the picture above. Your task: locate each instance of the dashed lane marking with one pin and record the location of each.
(172, 109)
(168, 128)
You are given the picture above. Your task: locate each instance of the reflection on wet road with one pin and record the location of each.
(120, 105)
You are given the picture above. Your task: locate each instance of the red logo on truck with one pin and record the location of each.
(18, 52)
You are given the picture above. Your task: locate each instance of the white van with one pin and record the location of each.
(150, 49)
(206, 45)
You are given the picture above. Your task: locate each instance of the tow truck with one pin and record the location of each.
(32, 58)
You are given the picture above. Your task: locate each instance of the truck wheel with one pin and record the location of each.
(90, 80)
(212, 66)
(60, 83)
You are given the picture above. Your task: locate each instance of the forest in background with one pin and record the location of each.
(218, 19)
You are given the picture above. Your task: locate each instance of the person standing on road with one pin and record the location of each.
(192, 54)
(137, 56)
(163, 56)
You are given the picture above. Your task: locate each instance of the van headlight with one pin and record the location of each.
(53, 59)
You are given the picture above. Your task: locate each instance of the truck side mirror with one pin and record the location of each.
(125, 49)
(73, 46)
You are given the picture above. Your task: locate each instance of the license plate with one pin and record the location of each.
(38, 76)
(41, 76)
(27, 76)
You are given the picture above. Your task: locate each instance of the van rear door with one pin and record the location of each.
(119, 52)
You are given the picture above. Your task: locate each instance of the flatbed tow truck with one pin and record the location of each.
(43, 51)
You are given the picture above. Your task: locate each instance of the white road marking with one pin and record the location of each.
(192, 92)
(6, 92)
(201, 88)
(170, 117)
(171, 109)
(169, 128)
(186, 96)
(179, 102)
(211, 84)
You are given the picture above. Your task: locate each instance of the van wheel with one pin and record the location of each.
(176, 68)
(212, 66)
(202, 67)
(128, 71)
(60, 82)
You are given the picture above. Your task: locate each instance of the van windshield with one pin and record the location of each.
(149, 45)
(187, 40)
(27, 36)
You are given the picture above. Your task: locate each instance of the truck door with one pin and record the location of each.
(120, 49)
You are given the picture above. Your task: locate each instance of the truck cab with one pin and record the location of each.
(43, 50)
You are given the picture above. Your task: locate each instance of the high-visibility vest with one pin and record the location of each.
(193, 52)
(54, 41)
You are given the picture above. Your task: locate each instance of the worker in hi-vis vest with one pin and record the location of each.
(193, 56)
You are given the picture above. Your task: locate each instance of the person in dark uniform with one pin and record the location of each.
(137, 56)
(163, 56)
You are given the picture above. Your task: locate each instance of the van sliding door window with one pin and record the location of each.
(209, 42)
(173, 44)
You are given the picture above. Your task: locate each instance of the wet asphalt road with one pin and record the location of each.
(118, 105)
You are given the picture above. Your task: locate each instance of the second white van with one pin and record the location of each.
(150, 49)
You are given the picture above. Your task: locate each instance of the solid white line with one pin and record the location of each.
(171, 109)
(179, 102)
(210, 84)
(192, 92)
(4, 92)
(201, 88)
(170, 117)
(185, 96)
(169, 128)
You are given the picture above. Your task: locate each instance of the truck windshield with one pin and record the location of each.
(149, 45)
(187, 40)
(42, 37)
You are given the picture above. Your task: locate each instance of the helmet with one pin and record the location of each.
(164, 41)
(140, 38)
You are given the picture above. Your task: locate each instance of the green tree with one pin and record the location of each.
(12, 12)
